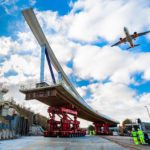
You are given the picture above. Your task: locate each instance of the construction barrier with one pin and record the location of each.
(13, 127)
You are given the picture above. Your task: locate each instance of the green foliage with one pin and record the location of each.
(126, 121)
(91, 128)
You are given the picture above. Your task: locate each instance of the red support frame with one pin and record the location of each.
(102, 128)
(66, 126)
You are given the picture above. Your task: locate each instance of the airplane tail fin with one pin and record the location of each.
(134, 46)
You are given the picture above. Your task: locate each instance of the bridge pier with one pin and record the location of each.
(64, 126)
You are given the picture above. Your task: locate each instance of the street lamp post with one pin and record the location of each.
(147, 110)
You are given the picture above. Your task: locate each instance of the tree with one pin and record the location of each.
(90, 128)
(126, 121)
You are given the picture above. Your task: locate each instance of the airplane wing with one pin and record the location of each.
(139, 34)
(123, 40)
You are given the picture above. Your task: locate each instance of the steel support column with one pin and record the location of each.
(50, 66)
(60, 78)
(42, 64)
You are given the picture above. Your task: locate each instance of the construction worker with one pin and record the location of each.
(90, 132)
(135, 137)
(94, 133)
(141, 136)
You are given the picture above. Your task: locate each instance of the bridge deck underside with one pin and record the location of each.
(59, 95)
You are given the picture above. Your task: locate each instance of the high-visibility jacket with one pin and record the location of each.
(134, 134)
(140, 133)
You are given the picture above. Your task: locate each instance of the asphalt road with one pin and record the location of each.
(41, 143)
(127, 142)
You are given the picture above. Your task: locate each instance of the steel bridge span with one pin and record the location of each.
(62, 98)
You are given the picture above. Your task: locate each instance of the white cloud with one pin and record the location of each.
(147, 75)
(25, 66)
(101, 63)
(12, 6)
(95, 62)
(6, 45)
(106, 19)
(27, 42)
(118, 101)
(34, 105)
(32, 2)
(9, 6)
(8, 2)
(82, 90)
(87, 22)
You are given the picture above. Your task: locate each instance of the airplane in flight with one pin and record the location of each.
(129, 38)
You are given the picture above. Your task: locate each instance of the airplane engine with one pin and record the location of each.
(120, 39)
(135, 35)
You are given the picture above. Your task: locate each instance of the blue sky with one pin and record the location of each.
(11, 14)
(82, 34)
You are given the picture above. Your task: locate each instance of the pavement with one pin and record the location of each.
(42, 143)
(126, 142)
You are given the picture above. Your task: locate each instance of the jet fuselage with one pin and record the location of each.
(128, 37)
